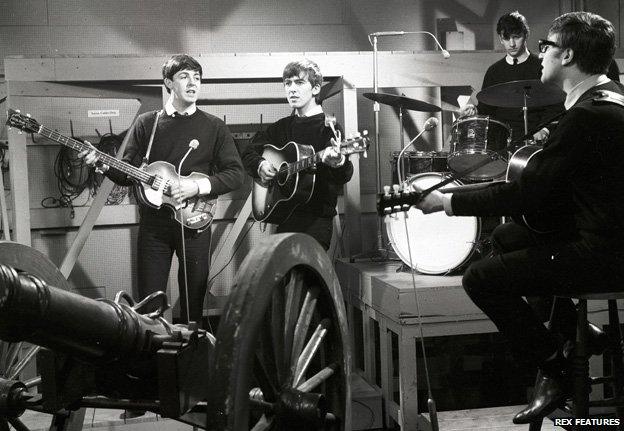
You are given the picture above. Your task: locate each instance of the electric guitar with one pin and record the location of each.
(400, 199)
(295, 178)
(153, 181)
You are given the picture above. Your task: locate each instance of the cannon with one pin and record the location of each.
(280, 358)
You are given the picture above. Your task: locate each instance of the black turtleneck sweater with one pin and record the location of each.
(306, 131)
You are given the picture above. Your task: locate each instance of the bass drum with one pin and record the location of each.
(439, 244)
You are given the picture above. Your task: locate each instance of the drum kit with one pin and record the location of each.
(439, 244)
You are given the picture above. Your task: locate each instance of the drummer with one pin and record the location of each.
(518, 64)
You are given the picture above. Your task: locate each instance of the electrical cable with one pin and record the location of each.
(233, 253)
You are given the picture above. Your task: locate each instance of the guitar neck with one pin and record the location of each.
(107, 159)
(307, 162)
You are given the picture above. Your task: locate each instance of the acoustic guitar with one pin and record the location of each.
(273, 202)
(401, 199)
(153, 181)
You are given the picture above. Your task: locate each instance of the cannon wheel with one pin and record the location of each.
(282, 356)
(15, 357)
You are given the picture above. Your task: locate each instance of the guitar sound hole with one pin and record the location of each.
(282, 174)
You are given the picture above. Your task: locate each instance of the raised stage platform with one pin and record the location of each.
(382, 311)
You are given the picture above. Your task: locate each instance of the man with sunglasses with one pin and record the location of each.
(577, 181)
(518, 64)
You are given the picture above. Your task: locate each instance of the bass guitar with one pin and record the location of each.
(153, 181)
(293, 184)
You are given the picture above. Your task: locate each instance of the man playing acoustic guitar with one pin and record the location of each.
(308, 126)
(576, 181)
(179, 130)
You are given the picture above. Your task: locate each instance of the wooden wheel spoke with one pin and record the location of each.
(318, 378)
(12, 353)
(277, 328)
(18, 424)
(304, 360)
(303, 323)
(269, 392)
(294, 291)
(263, 424)
(14, 371)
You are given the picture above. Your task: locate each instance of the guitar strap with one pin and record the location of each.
(151, 139)
(606, 96)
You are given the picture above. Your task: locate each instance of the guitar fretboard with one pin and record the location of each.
(107, 159)
(306, 162)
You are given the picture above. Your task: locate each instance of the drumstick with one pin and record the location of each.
(469, 187)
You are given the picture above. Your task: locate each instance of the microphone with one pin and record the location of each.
(194, 144)
(430, 124)
(444, 52)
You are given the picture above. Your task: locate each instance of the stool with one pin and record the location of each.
(580, 361)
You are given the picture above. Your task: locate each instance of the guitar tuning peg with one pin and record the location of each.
(364, 133)
(386, 191)
(18, 111)
(396, 189)
(28, 115)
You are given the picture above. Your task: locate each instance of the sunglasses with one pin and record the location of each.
(543, 44)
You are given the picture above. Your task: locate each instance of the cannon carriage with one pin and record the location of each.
(280, 358)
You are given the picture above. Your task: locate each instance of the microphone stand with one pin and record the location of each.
(183, 241)
(382, 248)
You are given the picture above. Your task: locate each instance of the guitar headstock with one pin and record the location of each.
(357, 143)
(396, 199)
(22, 122)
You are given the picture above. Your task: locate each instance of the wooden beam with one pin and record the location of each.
(18, 173)
(352, 207)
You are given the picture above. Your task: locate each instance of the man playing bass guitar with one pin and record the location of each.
(180, 134)
(576, 180)
(307, 126)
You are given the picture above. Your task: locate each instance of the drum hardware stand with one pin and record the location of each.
(430, 124)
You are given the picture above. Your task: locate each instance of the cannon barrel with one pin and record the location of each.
(95, 330)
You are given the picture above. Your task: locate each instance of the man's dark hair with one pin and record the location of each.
(311, 70)
(512, 23)
(590, 36)
(177, 63)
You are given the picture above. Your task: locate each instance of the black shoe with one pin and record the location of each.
(598, 342)
(550, 393)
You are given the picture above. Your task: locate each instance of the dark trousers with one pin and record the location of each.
(319, 228)
(531, 265)
(156, 244)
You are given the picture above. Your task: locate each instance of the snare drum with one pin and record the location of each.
(418, 162)
(474, 139)
(438, 243)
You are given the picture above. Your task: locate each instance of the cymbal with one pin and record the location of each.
(402, 102)
(511, 94)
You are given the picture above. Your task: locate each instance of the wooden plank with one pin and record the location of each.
(19, 182)
(408, 384)
(6, 232)
(29, 69)
(353, 222)
(94, 211)
(226, 245)
(396, 69)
